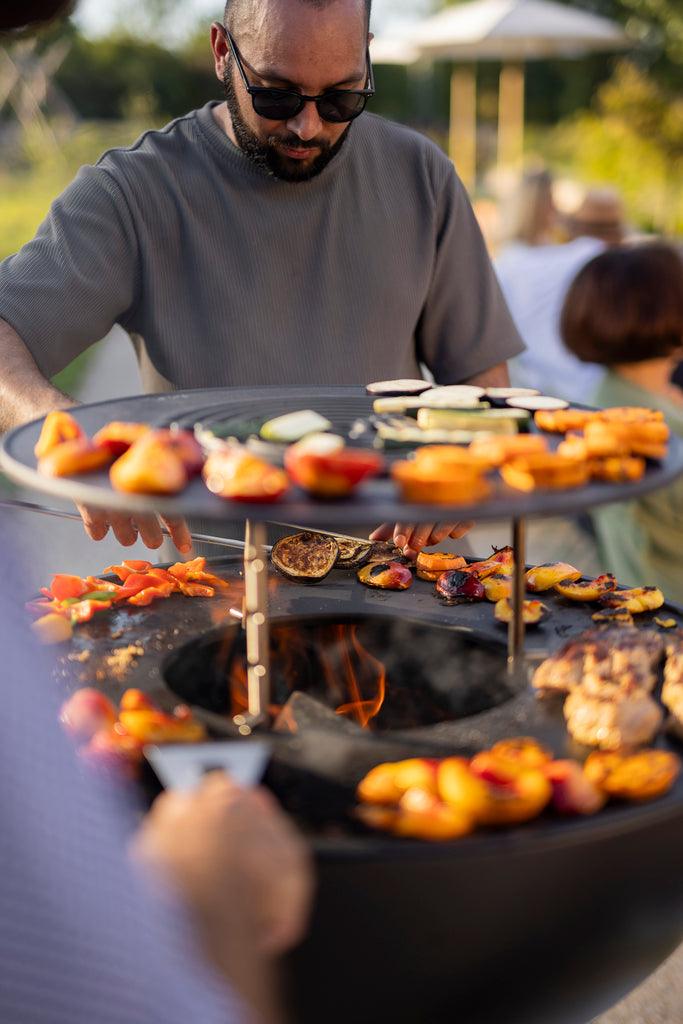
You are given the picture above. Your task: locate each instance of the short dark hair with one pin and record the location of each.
(626, 306)
(232, 7)
(22, 14)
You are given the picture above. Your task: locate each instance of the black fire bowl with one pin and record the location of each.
(549, 923)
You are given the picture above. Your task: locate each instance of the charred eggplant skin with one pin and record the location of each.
(458, 587)
(386, 576)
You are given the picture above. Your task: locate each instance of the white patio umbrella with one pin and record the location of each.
(512, 31)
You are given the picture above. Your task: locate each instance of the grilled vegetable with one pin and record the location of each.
(237, 475)
(642, 776)
(352, 554)
(331, 475)
(306, 557)
(493, 421)
(521, 753)
(545, 470)
(118, 437)
(150, 466)
(293, 426)
(500, 561)
(397, 387)
(573, 792)
(639, 599)
(423, 816)
(590, 590)
(512, 799)
(460, 486)
(533, 612)
(543, 577)
(431, 565)
(616, 616)
(386, 576)
(58, 426)
(462, 789)
(458, 587)
(535, 403)
(497, 586)
(386, 783)
(72, 457)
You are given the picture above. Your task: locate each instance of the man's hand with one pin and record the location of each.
(126, 529)
(412, 538)
(240, 864)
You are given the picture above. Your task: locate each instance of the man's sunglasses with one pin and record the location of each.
(336, 105)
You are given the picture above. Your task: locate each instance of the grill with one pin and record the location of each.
(551, 921)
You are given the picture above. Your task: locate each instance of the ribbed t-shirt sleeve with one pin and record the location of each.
(68, 286)
(465, 327)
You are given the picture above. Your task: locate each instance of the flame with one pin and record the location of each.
(363, 711)
(348, 671)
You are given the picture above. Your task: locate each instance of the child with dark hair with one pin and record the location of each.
(624, 310)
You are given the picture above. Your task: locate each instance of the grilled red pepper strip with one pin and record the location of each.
(127, 568)
(196, 590)
(136, 582)
(102, 585)
(193, 572)
(64, 586)
(149, 594)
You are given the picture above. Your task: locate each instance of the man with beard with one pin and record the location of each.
(277, 238)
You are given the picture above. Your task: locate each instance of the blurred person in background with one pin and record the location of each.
(625, 311)
(535, 272)
(187, 930)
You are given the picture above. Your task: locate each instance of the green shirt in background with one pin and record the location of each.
(641, 541)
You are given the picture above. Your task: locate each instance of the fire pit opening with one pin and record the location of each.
(373, 672)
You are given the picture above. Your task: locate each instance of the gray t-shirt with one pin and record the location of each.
(233, 277)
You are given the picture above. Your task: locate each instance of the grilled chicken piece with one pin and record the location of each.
(604, 654)
(672, 691)
(563, 672)
(640, 599)
(543, 577)
(611, 716)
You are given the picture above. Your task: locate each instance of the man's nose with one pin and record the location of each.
(307, 123)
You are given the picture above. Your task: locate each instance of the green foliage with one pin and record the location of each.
(633, 138)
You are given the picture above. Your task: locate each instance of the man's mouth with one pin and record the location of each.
(299, 153)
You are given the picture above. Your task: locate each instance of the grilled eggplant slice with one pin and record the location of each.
(459, 587)
(305, 557)
(543, 577)
(386, 576)
(533, 611)
(589, 590)
(353, 554)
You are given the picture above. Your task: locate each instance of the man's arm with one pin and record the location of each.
(25, 393)
(497, 377)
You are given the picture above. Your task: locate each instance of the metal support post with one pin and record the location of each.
(257, 628)
(516, 627)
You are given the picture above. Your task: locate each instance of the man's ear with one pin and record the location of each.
(220, 49)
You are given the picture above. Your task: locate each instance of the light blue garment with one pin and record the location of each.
(534, 280)
(82, 939)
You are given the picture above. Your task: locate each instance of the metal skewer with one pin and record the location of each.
(516, 627)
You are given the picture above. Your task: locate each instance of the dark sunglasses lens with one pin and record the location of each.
(275, 104)
(341, 106)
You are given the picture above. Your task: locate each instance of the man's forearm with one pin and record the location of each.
(24, 391)
(496, 377)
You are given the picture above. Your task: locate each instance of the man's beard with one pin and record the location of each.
(268, 155)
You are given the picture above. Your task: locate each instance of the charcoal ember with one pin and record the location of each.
(459, 587)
